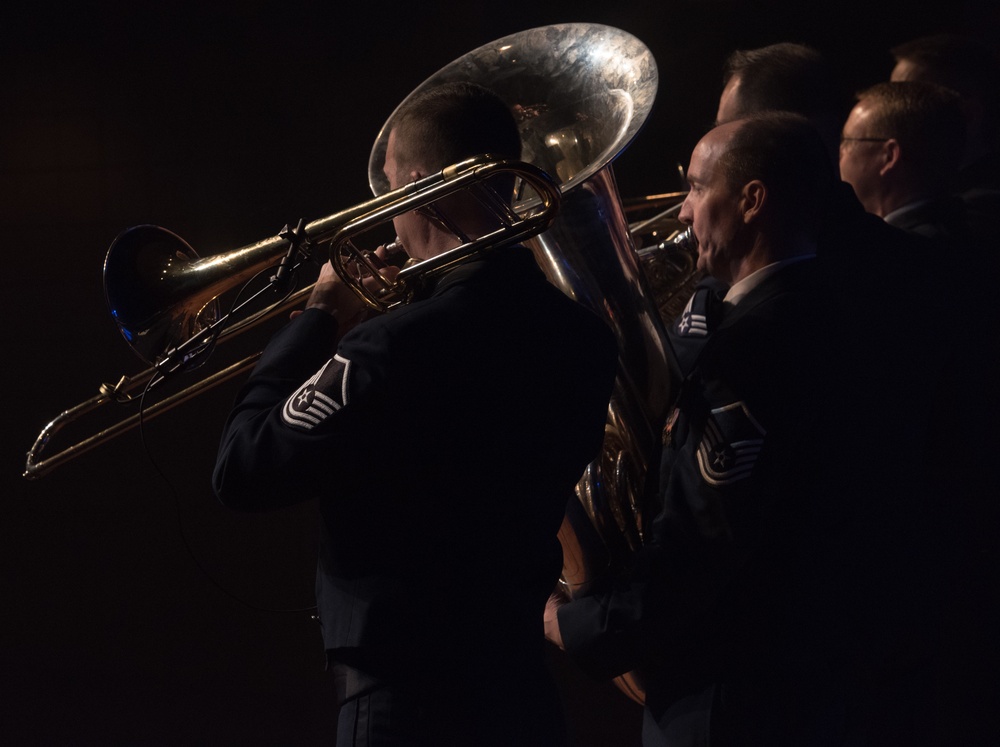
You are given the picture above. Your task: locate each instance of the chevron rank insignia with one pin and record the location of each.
(730, 445)
(320, 397)
(693, 321)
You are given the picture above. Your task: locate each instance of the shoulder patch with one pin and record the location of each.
(321, 396)
(693, 321)
(730, 444)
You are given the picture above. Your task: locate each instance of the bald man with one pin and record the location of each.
(715, 615)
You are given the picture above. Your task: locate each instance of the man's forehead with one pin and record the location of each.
(859, 115)
(729, 101)
(702, 165)
(715, 142)
(696, 167)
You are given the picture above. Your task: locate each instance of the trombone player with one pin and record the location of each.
(442, 441)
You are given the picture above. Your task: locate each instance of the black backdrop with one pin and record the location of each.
(223, 125)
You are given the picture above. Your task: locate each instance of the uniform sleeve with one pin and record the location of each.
(651, 615)
(601, 632)
(293, 434)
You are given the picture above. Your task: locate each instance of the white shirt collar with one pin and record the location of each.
(755, 278)
(896, 214)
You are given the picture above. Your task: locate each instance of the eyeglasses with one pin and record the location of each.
(844, 139)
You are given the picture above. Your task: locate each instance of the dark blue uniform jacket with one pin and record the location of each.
(442, 442)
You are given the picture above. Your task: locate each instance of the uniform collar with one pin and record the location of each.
(739, 290)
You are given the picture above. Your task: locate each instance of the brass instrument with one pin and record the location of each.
(163, 297)
(668, 253)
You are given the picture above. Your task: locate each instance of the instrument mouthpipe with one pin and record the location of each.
(685, 240)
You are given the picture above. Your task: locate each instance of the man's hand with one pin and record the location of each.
(332, 295)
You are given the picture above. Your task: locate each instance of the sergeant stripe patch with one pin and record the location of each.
(319, 397)
(693, 321)
(730, 445)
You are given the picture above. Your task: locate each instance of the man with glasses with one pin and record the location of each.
(900, 151)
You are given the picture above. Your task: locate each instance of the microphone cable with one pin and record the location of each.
(206, 351)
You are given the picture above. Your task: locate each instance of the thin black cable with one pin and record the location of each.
(173, 490)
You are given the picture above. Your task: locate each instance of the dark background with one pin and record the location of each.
(119, 622)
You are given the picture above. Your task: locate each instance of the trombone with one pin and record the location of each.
(164, 299)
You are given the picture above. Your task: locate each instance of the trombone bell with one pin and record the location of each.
(149, 277)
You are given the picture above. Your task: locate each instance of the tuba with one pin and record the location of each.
(581, 93)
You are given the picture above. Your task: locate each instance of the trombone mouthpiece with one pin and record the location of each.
(394, 247)
(395, 254)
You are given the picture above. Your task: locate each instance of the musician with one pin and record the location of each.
(968, 687)
(783, 77)
(442, 441)
(909, 548)
(716, 614)
(900, 150)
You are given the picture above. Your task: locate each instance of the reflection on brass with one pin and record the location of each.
(670, 267)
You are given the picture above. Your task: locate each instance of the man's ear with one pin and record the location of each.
(752, 200)
(890, 154)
